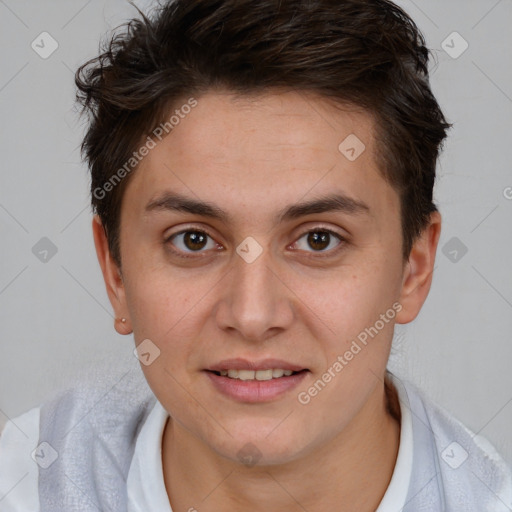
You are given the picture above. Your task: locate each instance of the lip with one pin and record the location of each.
(264, 364)
(255, 391)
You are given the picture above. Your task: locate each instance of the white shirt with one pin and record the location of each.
(145, 484)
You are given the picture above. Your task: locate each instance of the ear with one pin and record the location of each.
(418, 271)
(112, 277)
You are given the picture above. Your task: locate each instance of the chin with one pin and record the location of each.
(262, 449)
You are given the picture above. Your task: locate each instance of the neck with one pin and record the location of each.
(350, 472)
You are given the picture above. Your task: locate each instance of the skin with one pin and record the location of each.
(252, 157)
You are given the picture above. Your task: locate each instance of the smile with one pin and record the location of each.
(275, 373)
(247, 381)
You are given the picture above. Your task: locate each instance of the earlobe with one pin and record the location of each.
(112, 277)
(418, 271)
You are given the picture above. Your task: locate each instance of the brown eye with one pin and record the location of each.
(192, 241)
(319, 241)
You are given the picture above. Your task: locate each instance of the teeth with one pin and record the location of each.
(256, 375)
(245, 374)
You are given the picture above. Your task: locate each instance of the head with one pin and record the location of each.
(262, 178)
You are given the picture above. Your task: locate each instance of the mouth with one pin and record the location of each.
(260, 375)
(256, 381)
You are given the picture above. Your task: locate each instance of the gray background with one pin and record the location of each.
(55, 316)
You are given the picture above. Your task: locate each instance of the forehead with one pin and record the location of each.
(298, 126)
(258, 151)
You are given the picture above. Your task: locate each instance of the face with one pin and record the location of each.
(295, 256)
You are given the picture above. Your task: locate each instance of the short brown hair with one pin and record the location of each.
(368, 53)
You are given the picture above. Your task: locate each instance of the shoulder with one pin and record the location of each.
(19, 459)
(99, 402)
(81, 431)
(469, 467)
(93, 427)
(449, 429)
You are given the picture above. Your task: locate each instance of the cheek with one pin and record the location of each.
(359, 305)
(171, 307)
(159, 296)
(359, 309)
(352, 298)
(148, 299)
(164, 309)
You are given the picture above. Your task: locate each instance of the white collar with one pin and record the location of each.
(396, 494)
(145, 483)
(146, 487)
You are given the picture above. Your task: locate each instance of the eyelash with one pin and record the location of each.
(317, 229)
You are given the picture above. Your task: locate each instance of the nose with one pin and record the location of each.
(255, 301)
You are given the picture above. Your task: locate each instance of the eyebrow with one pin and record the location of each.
(331, 203)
